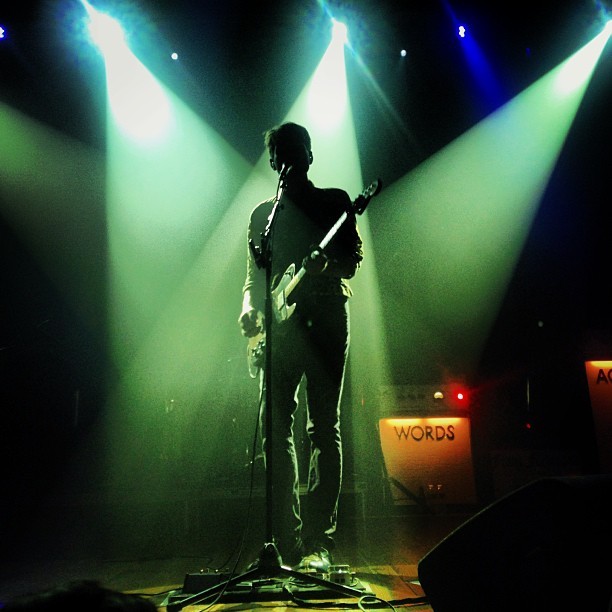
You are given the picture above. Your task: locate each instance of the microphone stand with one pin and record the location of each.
(269, 564)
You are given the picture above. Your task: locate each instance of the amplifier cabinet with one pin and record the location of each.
(428, 459)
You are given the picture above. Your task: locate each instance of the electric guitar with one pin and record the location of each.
(289, 281)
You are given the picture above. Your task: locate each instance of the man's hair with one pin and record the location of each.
(286, 133)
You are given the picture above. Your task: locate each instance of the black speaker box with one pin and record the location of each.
(546, 546)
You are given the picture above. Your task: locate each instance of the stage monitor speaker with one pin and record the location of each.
(546, 546)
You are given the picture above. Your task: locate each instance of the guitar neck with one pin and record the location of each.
(293, 283)
(282, 291)
(333, 231)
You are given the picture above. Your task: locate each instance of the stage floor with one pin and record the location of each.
(545, 547)
(381, 553)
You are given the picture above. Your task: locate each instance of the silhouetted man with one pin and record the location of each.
(311, 345)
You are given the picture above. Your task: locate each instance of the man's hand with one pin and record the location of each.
(316, 262)
(251, 322)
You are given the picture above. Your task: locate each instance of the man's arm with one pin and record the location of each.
(253, 290)
(251, 319)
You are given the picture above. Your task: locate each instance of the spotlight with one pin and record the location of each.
(403, 53)
(2, 32)
(174, 56)
(105, 31)
(461, 31)
(339, 32)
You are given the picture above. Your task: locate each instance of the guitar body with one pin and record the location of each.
(256, 348)
(280, 295)
(256, 354)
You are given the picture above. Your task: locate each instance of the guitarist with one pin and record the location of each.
(312, 344)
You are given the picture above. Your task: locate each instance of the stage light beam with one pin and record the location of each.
(328, 94)
(577, 70)
(105, 32)
(138, 103)
(339, 32)
(469, 218)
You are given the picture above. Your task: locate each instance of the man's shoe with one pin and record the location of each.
(318, 560)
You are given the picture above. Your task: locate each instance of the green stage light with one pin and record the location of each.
(104, 31)
(576, 71)
(328, 94)
(138, 103)
(457, 224)
(339, 32)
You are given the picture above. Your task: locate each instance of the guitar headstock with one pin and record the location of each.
(363, 199)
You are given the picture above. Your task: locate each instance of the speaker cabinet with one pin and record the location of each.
(544, 547)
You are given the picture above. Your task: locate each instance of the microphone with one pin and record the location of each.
(284, 172)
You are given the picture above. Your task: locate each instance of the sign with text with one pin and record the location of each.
(428, 459)
(599, 376)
